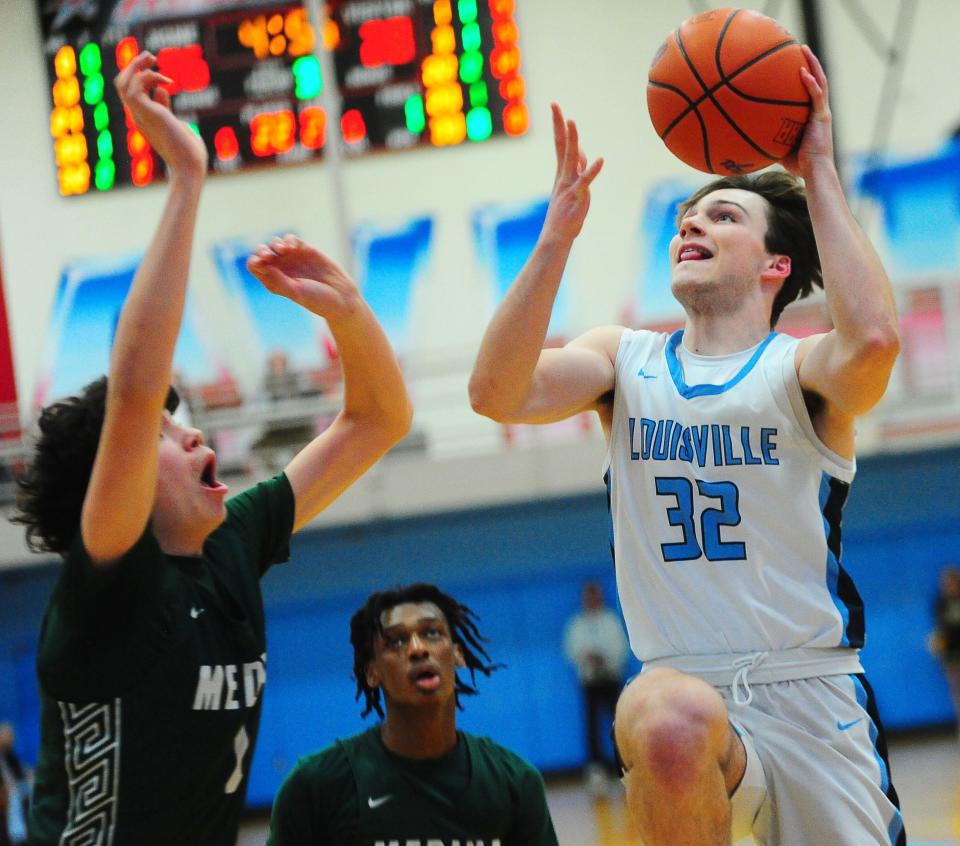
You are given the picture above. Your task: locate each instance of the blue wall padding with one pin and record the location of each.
(521, 568)
(921, 210)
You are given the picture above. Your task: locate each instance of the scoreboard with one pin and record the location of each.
(245, 76)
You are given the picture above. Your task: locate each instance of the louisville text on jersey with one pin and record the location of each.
(718, 445)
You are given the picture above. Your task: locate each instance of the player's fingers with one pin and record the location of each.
(138, 63)
(591, 172)
(162, 96)
(816, 69)
(559, 133)
(292, 241)
(145, 81)
(260, 255)
(818, 96)
(152, 79)
(572, 152)
(271, 278)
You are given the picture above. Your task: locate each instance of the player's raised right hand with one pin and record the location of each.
(140, 89)
(570, 199)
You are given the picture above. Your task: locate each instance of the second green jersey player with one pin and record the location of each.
(413, 779)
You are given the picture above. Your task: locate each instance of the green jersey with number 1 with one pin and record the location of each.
(151, 674)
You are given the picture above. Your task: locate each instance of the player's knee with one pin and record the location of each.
(670, 726)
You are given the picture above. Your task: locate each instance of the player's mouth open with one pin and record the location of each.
(693, 252)
(427, 679)
(208, 478)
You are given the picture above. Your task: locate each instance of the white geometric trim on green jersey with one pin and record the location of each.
(92, 760)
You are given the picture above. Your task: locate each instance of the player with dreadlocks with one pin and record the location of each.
(366, 626)
(414, 777)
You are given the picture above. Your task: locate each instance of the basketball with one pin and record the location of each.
(725, 93)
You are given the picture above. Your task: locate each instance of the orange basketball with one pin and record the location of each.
(725, 93)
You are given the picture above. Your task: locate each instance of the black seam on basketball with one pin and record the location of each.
(708, 94)
(723, 34)
(728, 77)
(683, 95)
(696, 111)
(703, 127)
(753, 99)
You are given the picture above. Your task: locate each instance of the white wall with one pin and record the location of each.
(590, 56)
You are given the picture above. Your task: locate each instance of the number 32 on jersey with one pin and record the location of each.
(719, 506)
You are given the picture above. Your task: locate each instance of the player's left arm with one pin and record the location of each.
(849, 366)
(376, 409)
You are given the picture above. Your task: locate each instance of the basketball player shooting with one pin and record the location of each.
(152, 654)
(730, 454)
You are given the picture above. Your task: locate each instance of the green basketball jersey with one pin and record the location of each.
(358, 793)
(151, 674)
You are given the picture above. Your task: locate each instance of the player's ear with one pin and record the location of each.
(458, 656)
(778, 267)
(372, 675)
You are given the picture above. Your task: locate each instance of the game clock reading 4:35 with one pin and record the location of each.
(245, 76)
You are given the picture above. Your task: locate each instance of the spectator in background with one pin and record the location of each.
(595, 643)
(281, 439)
(280, 381)
(15, 785)
(414, 778)
(946, 637)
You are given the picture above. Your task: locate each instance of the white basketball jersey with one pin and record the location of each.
(725, 504)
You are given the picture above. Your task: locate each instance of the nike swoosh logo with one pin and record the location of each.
(196, 612)
(850, 725)
(380, 800)
(645, 375)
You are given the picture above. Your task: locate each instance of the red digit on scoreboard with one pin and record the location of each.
(225, 143)
(353, 126)
(185, 66)
(387, 42)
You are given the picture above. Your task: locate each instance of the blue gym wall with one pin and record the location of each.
(521, 567)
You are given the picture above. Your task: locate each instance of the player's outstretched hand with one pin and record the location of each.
(293, 269)
(570, 199)
(140, 88)
(816, 145)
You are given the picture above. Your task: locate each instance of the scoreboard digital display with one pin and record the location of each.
(246, 77)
